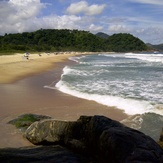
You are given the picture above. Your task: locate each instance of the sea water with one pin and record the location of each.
(132, 82)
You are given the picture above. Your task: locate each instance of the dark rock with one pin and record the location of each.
(160, 142)
(100, 137)
(41, 154)
(161, 135)
(148, 123)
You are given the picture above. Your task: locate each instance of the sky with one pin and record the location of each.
(141, 18)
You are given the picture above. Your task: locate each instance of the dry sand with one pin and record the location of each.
(14, 67)
(23, 92)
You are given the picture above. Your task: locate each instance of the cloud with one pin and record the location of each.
(153, 2)
(149, 34)
(82, 7)
(95, 28)
(25, 9)
(118, 28)
(19, 16)
(60, 22)
(16, 14)
(138, 27)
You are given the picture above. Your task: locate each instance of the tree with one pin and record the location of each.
(64, 39)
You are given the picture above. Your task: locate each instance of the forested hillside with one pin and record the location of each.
(68, 40)
(125, 42)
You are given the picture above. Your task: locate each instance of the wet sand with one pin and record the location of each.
(28, 95)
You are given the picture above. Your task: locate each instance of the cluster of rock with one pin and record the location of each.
(95, 139)
(148, 123)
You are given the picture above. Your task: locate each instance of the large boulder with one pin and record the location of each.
(148, 123)
(160, 142)
(103, 139)
(41, 154)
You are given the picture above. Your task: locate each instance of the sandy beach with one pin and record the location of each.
(22, 90)
(15, 67)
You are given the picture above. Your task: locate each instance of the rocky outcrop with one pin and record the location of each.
(90, 139)
(148, 123)
(41, 154)
(161, 139)
(97, 137)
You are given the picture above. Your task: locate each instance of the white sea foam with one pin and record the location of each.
(50, 87)
(79, 60)
(130, 106)
(76, 59)
(132, 88)
(146, 57)
(67, 70)
(111, 55)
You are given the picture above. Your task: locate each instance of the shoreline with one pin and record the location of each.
(15, 67)
(27, 94)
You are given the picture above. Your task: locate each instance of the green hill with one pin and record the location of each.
(124, 43)
(68, 40)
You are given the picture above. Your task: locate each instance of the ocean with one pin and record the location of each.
(132, 82)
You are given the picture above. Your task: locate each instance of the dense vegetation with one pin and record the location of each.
(68, 40)
(125, 42)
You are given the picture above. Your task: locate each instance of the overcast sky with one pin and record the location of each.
(142, 18)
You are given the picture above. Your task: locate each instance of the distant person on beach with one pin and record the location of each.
(26, 55)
